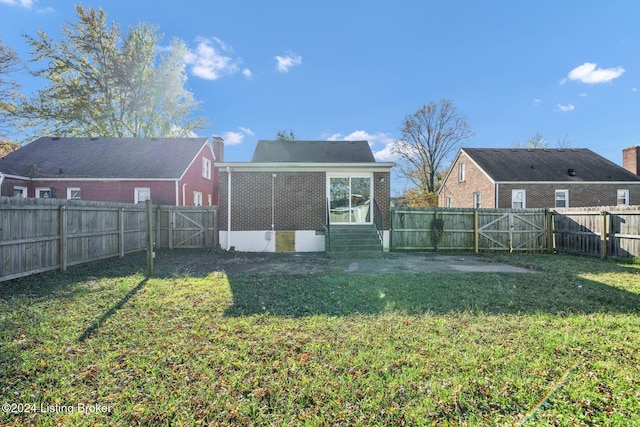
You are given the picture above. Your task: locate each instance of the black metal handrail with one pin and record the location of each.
(378, 220)
(327, 232)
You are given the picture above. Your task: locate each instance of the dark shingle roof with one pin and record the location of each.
(522, 164)
(103, 157)
(313, 151)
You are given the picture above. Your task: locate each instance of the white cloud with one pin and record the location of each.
(47, 9)
(235, 138)
(381, 143)
(28, 4)
(247, 73)
(537, 101)
(634, 89)
(209, 62)
(590, 74)
(284, 63)
(565, 108)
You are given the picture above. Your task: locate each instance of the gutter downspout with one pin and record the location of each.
(184, 194)
(228, 208)
(177, 194)
(1, 182)
(497, 195)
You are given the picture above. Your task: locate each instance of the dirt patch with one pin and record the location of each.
(371, 264)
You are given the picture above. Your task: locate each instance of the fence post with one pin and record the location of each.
(550, 236)
(476, 232)
(150, 252)
(605, 234)
(121, 232)
(62, 218)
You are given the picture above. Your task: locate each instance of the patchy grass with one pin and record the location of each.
(103, 345)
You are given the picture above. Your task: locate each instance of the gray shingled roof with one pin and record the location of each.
(313, 151)
(103, 157)
(522, 164)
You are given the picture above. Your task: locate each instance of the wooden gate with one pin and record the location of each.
(513, 231)
(187, 226)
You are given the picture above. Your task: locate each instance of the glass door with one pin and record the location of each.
(350, 199)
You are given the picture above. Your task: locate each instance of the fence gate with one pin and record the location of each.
(187, 227)
(513, 231)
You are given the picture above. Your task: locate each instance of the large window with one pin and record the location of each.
(518, 199)
(623, 198)
(562, 198)
(350, 199)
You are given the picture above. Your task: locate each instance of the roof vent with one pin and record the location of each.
(571, 172)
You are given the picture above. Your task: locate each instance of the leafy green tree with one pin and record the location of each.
(102, 81)
(10, 95)
(429, 136)
(284, 136)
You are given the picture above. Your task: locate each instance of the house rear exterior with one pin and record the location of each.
(539, 178)
(286, 196)
(169, 171)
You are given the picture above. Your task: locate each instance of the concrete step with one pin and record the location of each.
(354, 238)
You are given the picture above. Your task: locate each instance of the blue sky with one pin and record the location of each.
(354, 69)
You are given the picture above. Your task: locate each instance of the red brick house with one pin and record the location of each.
(169, 171)
(305, 196)
(539, 178)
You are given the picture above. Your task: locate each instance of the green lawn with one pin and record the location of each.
(102, 345)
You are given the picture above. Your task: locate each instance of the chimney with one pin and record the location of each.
(631, 159)
(218, 149)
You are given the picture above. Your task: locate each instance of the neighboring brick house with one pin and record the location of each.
(539, 178)
(169, 171)
(280, 200)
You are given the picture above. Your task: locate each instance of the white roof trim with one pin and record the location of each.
(303, 166)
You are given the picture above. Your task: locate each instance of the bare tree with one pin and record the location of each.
(564, 142)
(429, 136)
(536, 141)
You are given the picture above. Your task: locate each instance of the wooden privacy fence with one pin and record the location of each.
(470, 229)
(38, 235)
(599, 231)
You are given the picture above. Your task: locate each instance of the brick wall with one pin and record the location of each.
(162, 192)
(461, 193)
(300, 200)
(382, 195)
(580, 195)
(196, 182)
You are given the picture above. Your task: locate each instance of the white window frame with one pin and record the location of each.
(137, 198)
(477, 200)
(515, 195)
(625, 196)
(462, 171)
(197, 198)
(210, 199)
(40, 190)
(23, 189)
(206, 168)
(72, 189)
(565, 193)
(449, 201)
